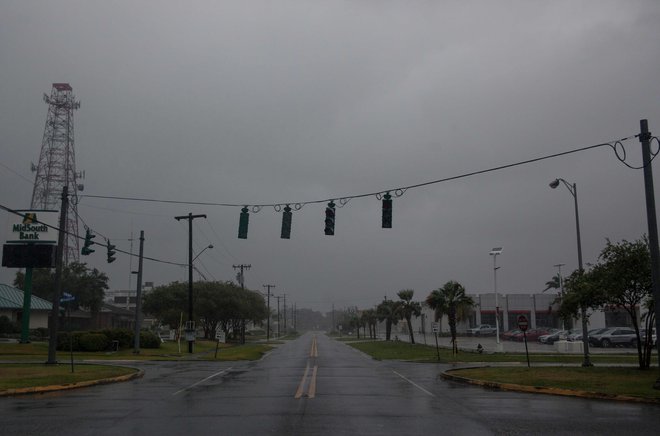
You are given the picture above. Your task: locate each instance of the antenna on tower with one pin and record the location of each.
(57, 164)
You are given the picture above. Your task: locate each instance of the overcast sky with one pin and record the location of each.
(274, 102)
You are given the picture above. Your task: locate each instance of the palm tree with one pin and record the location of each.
(436, 301)
(388, 311)
(408, 309)
(456, 304)
(369, 318)
(554, 283)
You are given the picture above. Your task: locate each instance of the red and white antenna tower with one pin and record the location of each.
(57, 165)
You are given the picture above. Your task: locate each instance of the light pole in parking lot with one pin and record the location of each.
(494, 252)
(561, 287)
(583, 310)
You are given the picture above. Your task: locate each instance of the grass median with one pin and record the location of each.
(38, 351)
(606, 381)
(27, 375)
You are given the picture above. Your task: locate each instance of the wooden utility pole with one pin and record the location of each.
(268, 319)
(191, 325)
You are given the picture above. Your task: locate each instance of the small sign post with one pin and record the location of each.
(522, 325)
(435, 327)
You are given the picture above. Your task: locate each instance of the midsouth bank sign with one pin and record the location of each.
(33, 226)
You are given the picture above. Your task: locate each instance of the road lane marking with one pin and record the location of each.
(311, 393)
(414, 384)
(301, 386)
(314, 351)
(203, 380)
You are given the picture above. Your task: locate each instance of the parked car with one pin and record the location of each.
(532, 334)
(553, 337)
(508, 335)
(482, 330)
(613, 337)
(576, 335)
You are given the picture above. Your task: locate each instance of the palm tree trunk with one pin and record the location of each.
(412, 336)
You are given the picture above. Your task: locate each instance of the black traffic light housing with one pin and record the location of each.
(330, 219)
(111, 252)
(87, 250)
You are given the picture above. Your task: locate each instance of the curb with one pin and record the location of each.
(544, 390)
(53, 388)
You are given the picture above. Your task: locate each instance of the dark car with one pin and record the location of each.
(508, 335)
(532, 334)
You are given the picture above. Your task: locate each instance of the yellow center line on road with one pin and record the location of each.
(311, 387)
(312, 384)
(301, 386)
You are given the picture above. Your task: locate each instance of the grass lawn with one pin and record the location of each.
(607, 380)
(38, 351)
(22, 375)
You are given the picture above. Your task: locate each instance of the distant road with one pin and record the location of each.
(312, 386)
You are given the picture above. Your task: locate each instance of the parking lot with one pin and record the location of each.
(489, 344)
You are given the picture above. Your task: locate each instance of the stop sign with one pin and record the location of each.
(522, 323)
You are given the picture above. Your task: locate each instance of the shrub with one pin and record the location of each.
(39, 333)
(123, 336)
(149, 340)
(8, 326)
(69, 339)
(94, 342)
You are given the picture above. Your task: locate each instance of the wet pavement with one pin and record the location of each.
(311, 386)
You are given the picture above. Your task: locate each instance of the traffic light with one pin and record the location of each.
(111, 252)
(286, 223)
(86, 250)
(387, 211)
(330, 219)
(243, 223)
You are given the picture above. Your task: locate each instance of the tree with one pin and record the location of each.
(388, 311)
(623, 273)
(407, 309)
(437, 301)
(215, 304)
(86, 285)
(370, 319)
(554, 283)
(451, 298)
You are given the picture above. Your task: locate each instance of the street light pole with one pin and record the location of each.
(583, 310)
(494, 252)
(561, 288)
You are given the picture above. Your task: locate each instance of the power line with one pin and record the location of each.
(614, 145)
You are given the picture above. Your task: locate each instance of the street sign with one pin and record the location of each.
(522, 323)
(435, 327)
(66, 297)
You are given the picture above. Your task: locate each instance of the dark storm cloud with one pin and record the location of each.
(271, 102)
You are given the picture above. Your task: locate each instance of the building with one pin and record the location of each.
(11, 306)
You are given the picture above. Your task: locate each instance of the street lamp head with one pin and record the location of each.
(554, 183)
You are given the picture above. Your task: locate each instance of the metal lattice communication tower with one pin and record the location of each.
(57, 164)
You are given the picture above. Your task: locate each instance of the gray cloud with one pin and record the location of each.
(272, 102)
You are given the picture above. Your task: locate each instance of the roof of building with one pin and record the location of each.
(12, 298)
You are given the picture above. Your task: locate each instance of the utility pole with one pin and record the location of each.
(278, 315)
(285, 329)
(645, 138)
(268, 319)
(138, 298)
(333, 318)
(241, 279)
(59, 255)
(295, 327)
(191, 325)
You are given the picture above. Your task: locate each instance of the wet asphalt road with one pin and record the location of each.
(312, 386)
